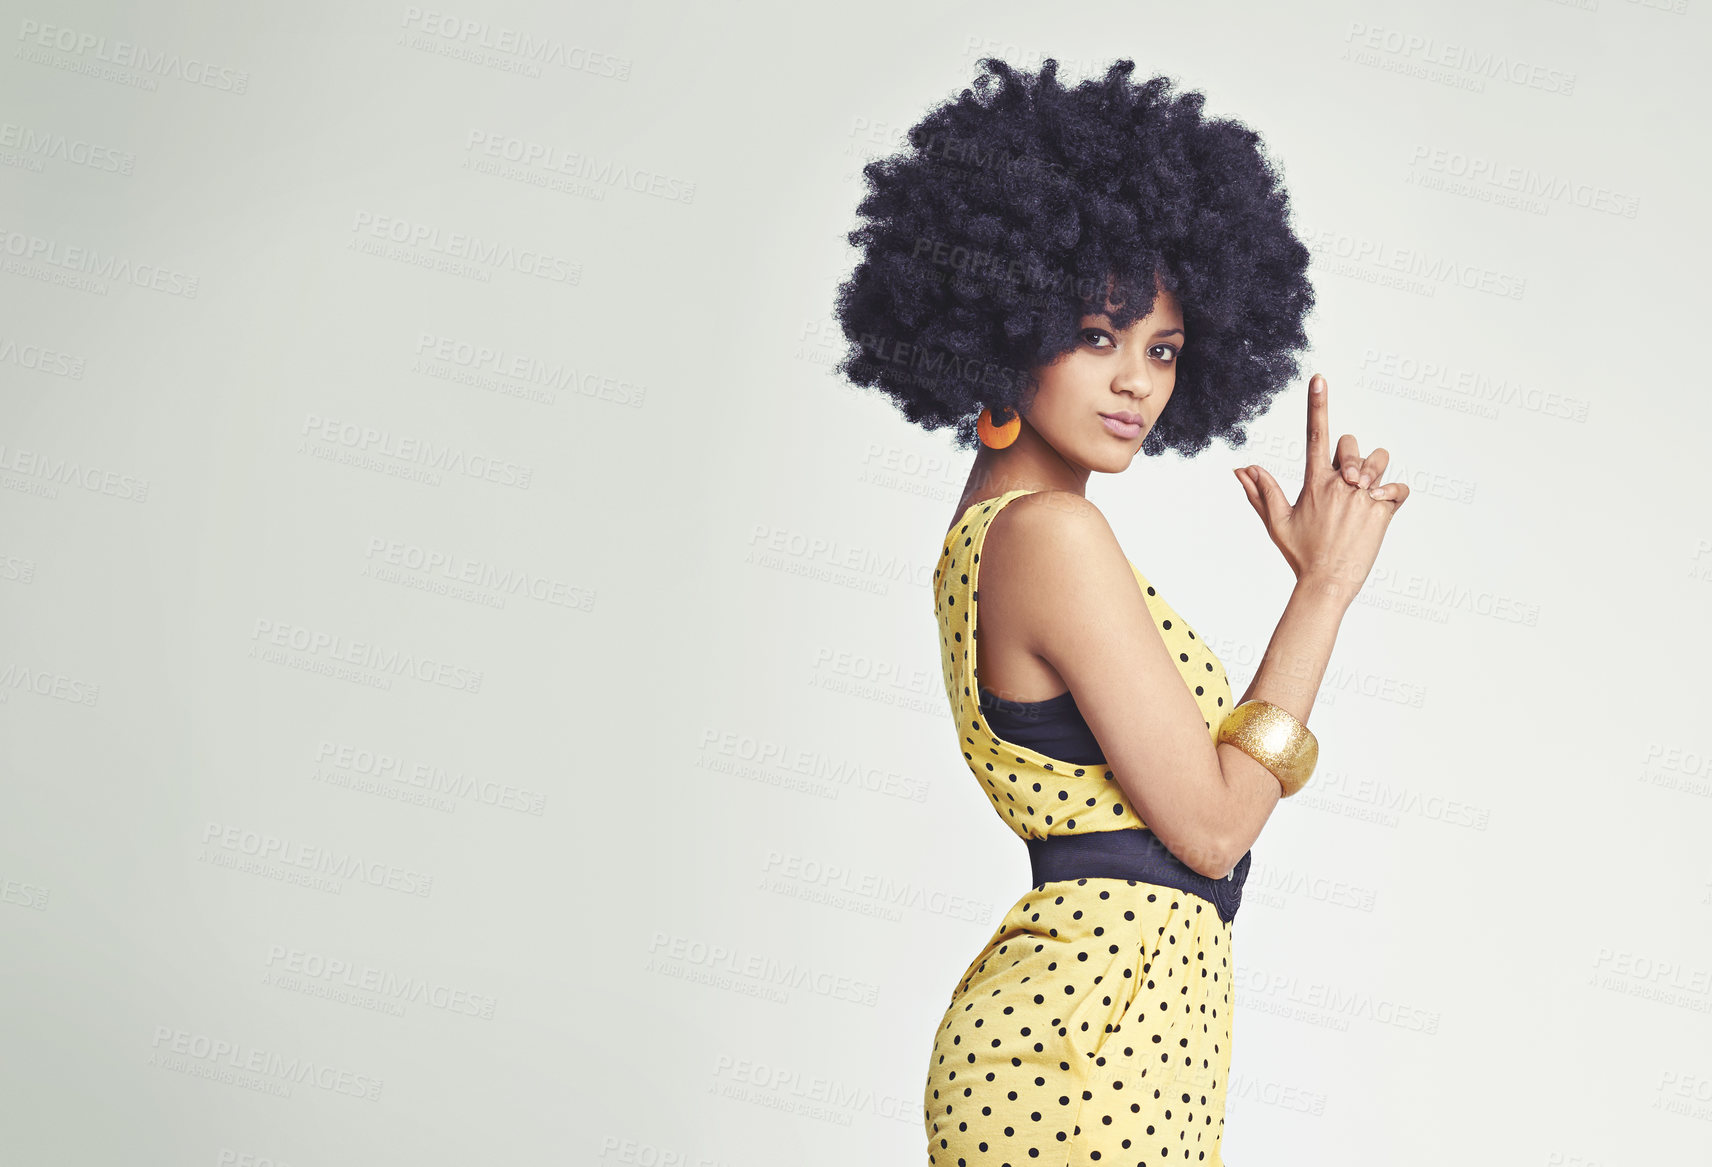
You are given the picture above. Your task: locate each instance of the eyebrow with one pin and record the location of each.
(1161, 332)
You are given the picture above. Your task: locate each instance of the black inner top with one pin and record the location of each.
(1054, 727)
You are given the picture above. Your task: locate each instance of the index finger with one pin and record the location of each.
(1319, 423)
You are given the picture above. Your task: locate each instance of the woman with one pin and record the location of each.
(1073, 275)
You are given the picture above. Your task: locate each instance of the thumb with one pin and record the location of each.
(1273, 503)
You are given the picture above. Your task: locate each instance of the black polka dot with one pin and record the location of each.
(1039, 1050)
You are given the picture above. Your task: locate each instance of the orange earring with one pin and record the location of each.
(997, 437)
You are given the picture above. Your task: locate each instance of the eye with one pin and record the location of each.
(1092, 334)
(1171, 349)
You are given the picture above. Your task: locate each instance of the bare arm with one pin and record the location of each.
(1084, 615)
(1330, 537)
(1289, 675)
(1052, 560)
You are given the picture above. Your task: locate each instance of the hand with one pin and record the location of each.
(1331, 536)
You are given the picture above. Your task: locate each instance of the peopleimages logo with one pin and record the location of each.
(376, 442)
(278, 637)
(470, 33)
(130, 55)
(88, 268)
(53, 145)
(241, 1065)
(600, 172)
(427, 776)
(464, 246)
(334, 972)
(267, 848)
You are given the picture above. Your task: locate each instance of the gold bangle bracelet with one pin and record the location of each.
(1274, 738)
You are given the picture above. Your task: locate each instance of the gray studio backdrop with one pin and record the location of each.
(469, 690)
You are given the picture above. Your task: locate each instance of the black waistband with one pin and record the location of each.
(1133, 853)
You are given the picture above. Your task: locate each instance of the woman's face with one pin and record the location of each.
(1097, 402)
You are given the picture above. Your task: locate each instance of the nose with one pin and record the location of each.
(1135, 375)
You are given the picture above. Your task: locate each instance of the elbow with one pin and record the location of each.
(1215, 860)
(1217, 871)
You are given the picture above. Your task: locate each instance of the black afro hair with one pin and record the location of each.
(1021, 205)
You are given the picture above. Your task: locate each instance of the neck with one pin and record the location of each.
(1029, 463)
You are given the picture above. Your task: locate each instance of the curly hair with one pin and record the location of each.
(1019, 202)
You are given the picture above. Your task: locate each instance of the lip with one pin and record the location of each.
(1123, 424)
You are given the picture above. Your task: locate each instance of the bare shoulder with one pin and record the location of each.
(1069, 609)
(1051, 558)
(1050, 528)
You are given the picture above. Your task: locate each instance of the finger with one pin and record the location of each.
(1276, 506)
(1252, 489)
(1375, 465)
(1319, 454)
(1348, 461)
(1257, 495)
(1389, 491)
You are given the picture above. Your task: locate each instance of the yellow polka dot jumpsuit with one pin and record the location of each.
(1095, 1025)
